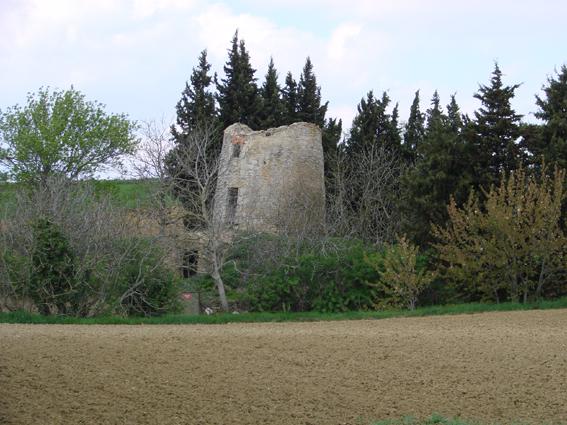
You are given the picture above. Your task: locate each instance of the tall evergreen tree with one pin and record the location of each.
(439, 173)
(289, 98)
(550, 139)
(496, 130)
(454, 117)
(394, 133)
(238, 96)
(373, 125)
(273, 109)
(197, 104)
(195, 113)
(309, 108)
(414, 129)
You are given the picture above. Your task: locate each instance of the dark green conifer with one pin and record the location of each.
(414, 129)
(496, 131)
(289, 98)
(238, 93)
(309, 108)
(373, 125)
(439, 172)
(197, 104)
(272, 111)
(550, 139)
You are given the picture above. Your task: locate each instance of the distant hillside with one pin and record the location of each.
(127, 193)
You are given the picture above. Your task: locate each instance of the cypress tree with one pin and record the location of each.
(238, 93)
(289, 98)
(496, 130)
(439, 173)
(309, 108)
(373, 125)
(195, 112)
(552, 141)
(414, 129)
(272, 111)
(197, 104)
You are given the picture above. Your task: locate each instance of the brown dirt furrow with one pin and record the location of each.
(496, 366)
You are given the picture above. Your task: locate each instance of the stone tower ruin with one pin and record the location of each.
(271, 180)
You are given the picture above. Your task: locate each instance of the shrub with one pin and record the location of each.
(511, 245)
(52, 281)
(403, 273)
(327, 281)
(145, 286)
(69, 250)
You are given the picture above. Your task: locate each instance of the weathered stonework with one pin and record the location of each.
(271, 180)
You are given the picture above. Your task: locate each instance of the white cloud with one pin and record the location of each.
(340, 38)
(138, 53)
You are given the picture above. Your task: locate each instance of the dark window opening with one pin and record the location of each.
(189, 265)
(236, 150)
(232, 203)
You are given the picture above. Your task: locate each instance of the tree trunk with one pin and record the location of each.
(215, 274)
(541, 279)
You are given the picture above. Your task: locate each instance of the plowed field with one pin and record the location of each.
(493, 367)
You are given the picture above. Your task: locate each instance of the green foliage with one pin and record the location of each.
(53, 282)
(60, 133)
(327, 282)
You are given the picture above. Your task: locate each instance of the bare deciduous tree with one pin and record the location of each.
(364, 202)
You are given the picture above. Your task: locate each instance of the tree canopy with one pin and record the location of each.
(61, 133)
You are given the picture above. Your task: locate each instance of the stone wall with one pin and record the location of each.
(271, 180)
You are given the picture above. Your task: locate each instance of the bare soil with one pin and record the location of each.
(493, 367)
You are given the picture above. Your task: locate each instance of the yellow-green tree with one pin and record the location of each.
(401, 277)
(512, 244)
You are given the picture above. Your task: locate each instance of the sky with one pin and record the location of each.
(135, 56)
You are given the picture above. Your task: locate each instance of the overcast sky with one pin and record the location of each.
(135, 55)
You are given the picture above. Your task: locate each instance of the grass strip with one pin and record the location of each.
(222, 318)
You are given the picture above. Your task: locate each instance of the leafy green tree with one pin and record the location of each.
(197, 104)
(495, 131)
(414, 129)
(273, 109)
(61, 133)
(238, 96)
(309, 108)
(289, 98)
(441, 171)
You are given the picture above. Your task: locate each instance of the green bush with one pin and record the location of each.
(323, 281)
(53, 281)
